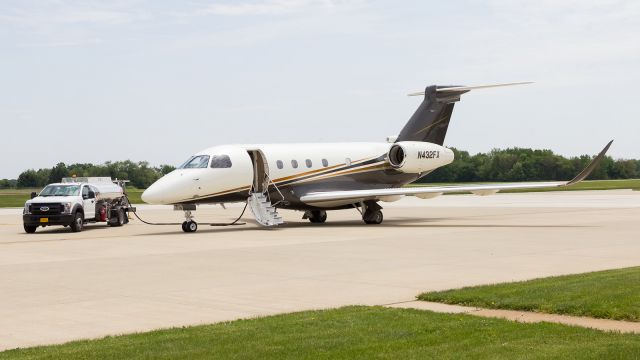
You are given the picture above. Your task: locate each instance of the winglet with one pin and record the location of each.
(594, 163)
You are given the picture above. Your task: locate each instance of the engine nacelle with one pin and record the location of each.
(416, 157)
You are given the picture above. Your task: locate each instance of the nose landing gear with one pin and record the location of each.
(189, 225)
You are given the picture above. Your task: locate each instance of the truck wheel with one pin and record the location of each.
(29, 229)
(78, 222)
(118, 219)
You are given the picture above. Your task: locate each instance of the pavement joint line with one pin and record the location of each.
(522, 316)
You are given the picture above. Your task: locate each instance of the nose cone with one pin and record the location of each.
(169, 189)
(151, 195)
(161, 191)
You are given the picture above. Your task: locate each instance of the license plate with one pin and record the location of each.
(44, 220)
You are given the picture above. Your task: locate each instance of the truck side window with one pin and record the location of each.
(85, 192)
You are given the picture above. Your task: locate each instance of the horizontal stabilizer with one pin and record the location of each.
(467, 88)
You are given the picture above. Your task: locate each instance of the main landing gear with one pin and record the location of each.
(189, 225)
(372, 212)
(315, 216)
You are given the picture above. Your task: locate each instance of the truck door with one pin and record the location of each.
(88, 202)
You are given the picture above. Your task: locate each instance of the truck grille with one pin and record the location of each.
(47, 209)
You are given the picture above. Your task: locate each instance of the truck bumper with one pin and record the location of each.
(34, 220)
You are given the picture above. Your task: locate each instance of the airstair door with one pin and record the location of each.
(260, 171)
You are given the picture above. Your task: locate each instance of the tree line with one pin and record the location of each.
(513, 164)
(521, 164)
(140, 174)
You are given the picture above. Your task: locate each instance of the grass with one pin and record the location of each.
(612, 294)
(584, 185)
(17, 197)
(355, 332)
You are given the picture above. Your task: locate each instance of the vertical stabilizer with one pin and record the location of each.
(431, 120)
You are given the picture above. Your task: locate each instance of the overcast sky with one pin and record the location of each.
(91, 81)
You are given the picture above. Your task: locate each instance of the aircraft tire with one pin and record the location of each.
(192, 226)
(318, 216)
(373, 217)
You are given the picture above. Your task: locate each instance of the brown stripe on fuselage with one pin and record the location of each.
(335, 173)
(225, 192)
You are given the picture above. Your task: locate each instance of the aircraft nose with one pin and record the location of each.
(151, 195)
(167, 190)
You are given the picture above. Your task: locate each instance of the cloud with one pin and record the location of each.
(272, 7)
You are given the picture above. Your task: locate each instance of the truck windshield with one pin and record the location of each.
(200, 161)
(61, 190)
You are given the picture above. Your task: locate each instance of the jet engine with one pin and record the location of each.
(416, 157)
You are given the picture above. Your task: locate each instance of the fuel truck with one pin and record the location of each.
(77, 201)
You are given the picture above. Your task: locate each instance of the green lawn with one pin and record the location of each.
(584, 185)
(355, 332)
(612, 294)
(17, 197)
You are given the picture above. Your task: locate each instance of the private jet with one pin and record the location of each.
(317, 177)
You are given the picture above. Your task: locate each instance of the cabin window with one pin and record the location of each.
(325, 163)
(294, 164)
(220, 161)
(308, 163)
(347, 161)
(200, 161)
(279, 164)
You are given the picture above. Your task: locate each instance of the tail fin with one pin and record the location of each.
(431, 120)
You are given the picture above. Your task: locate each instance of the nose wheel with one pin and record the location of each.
(189, 226)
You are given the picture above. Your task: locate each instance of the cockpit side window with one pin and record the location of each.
(200, 161)
(220, 161)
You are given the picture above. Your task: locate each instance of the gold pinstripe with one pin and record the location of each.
(375, 166)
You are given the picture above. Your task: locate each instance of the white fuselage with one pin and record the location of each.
(288, 166)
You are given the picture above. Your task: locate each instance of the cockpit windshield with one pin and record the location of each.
(61, 190)
(195, 162)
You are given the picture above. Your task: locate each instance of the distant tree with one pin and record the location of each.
(43, 176)
(57, 173)
(5, 184)
(165, 169)
(28, 178)
(518, 164)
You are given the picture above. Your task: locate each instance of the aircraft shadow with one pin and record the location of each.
(391, 223)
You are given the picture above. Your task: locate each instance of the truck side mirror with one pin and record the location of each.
(34, 194)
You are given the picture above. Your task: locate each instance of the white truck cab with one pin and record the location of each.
(77, 201)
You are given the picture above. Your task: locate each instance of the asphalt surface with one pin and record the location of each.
(57, 286)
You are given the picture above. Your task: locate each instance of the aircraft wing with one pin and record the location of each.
(432, 191)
